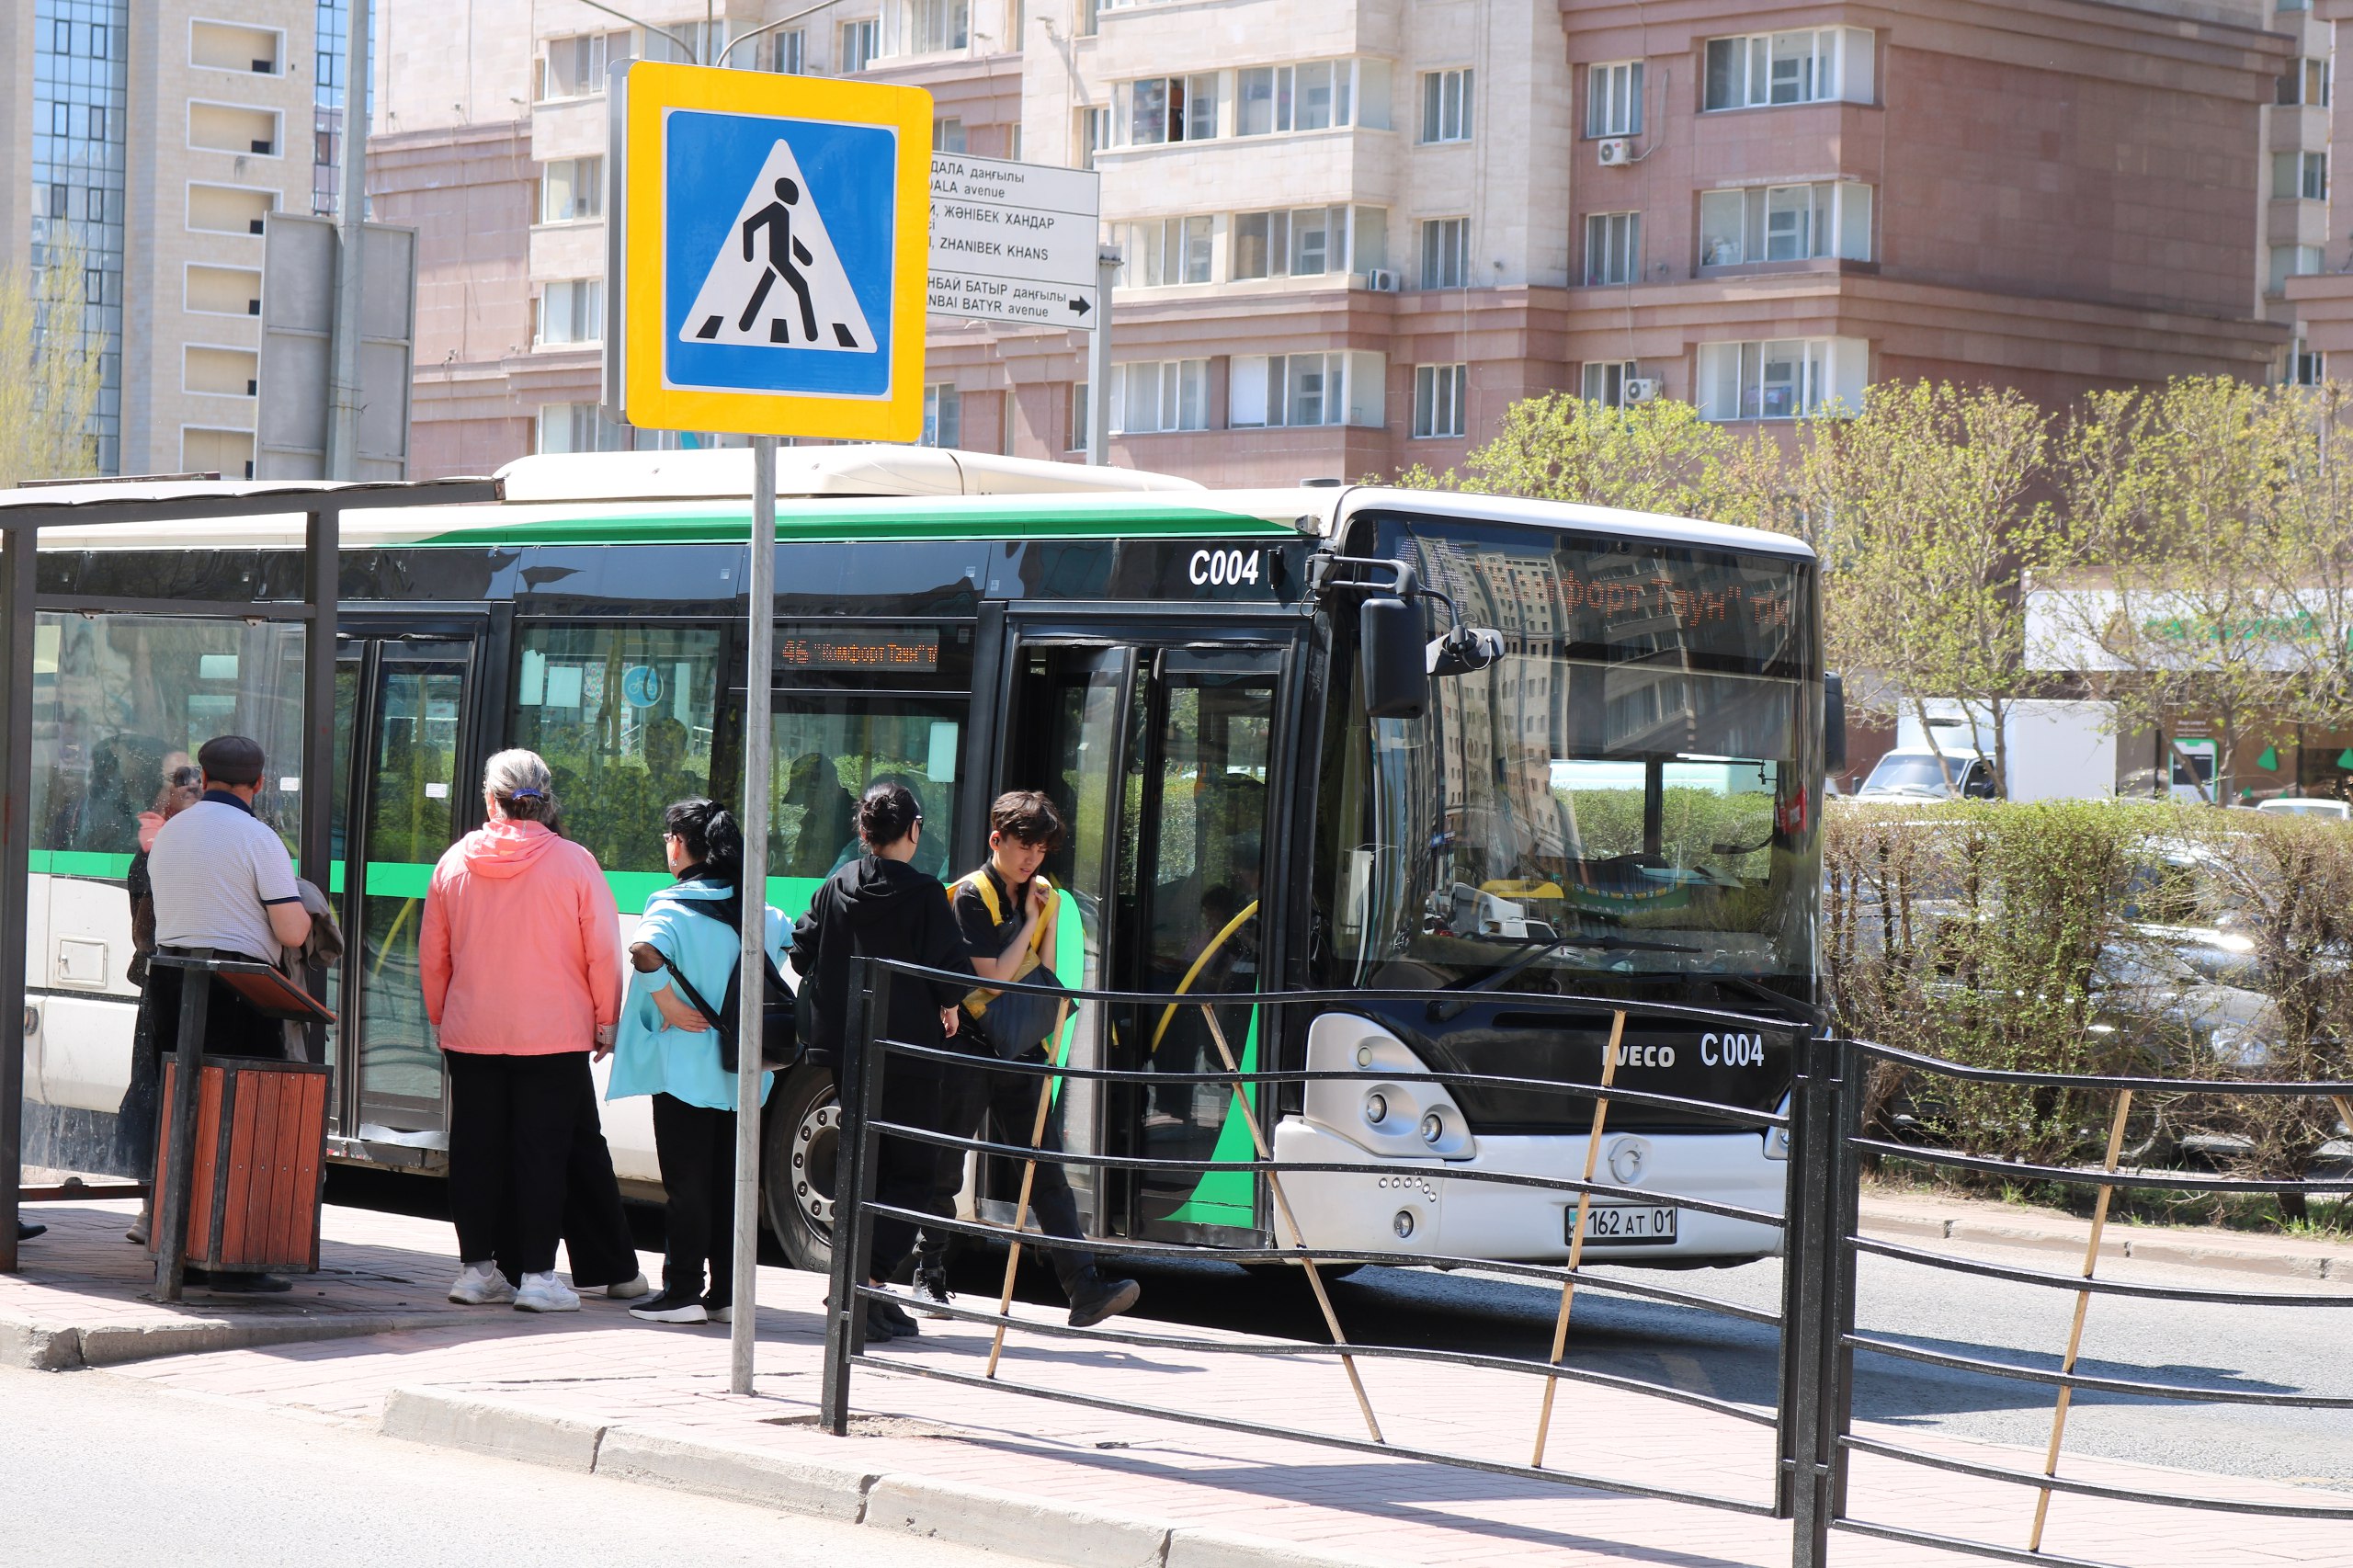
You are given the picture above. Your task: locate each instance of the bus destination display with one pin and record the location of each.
(908, 649)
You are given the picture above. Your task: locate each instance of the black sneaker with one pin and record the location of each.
(673, 1306)
(931, 1288)
(27, 1230)
(1094, 1298)
(878, 1328)
(901, 1326)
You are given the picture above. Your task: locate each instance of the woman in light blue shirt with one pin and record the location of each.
(666, 1048)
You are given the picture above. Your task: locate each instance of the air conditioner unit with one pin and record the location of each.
(1381, 278)
(1617, 151)
(1641, 389)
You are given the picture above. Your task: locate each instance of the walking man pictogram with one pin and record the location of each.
(784, 252)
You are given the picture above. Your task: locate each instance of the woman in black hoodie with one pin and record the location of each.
(879, 905)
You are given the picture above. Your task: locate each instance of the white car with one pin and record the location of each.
(2289, 806)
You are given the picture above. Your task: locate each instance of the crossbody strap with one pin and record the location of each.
(710, 1013)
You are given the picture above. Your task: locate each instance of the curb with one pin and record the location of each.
(61, 1347)
(2118, 1242)
(1037, 1530)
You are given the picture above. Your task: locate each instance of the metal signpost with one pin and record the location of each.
(766, 243)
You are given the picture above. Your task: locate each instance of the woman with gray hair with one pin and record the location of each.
(522, 977)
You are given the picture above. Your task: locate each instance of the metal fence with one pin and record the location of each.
(1806, 1471)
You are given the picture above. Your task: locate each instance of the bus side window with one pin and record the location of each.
(831, 748)
(623, 715)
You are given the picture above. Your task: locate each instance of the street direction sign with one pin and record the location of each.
(1014, 242)
(764, 253)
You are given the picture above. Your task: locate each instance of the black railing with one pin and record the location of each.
(1818, 1218)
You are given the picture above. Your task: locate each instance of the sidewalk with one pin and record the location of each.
(372, 1343)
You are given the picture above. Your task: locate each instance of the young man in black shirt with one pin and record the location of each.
(1006, 911)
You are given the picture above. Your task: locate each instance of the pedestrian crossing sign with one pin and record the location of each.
(766, 253)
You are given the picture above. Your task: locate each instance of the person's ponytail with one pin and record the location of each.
(712, 840)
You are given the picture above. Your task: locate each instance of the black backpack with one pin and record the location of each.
(780, 1046)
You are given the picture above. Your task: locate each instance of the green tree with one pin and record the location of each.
(1922, 505)
(1655, 457)
(49, 372)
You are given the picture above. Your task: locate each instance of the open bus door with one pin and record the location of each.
(1164, 749)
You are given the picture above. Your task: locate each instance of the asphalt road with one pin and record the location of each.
(2223, 1348)
(98, 1471)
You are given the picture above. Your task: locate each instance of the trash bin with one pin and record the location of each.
(259, 1168)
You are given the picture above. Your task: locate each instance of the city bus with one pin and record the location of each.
(1617, 798)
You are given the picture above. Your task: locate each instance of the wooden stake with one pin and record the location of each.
(2082, 1304)
(1291, 1220)
(1028, 1174)
(1576, 1232)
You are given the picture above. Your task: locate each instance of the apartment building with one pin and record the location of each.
(1355, 233)
(2313, 231)
(154, 139)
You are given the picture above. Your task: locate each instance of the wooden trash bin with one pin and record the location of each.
(260, 1165)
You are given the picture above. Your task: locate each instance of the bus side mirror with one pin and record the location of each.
(1391, 659)
(1834, 724)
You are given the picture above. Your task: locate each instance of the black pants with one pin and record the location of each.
(512, 1119)
(696, 1148)
(1007, 1102)
(596, 1235)
(913, 1094)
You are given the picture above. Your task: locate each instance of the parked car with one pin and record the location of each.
(2307, 806)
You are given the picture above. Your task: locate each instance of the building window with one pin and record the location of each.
(1439, 393)
(943, 415)
(1792, 379)
(1160, 395)
(1307, 389)
(573, 190)
(2299, 176)
(935, 27)
(1081, 403)
(1785, 222)
(1613, 247)
(683, 44)
(1308, 242)
(579, 427)
(576, 67)
(573, 312)
(1613, 99)
(1159, 109)
(1813, 65)
(1088, 129)
(2292, 261)
(1446, 105)
(947, 134)
(858, 40)
(789, 52)
(2307, 367)
(1605, 381)
(1321, 95)
(2306, 82)
(1164, 252)
(1446, 252)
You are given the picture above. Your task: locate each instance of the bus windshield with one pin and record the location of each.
(1619, 793)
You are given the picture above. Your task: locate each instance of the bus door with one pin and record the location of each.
(1162, 758)
(404, 716)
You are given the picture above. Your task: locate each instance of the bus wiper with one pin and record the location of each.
(1439, 1012)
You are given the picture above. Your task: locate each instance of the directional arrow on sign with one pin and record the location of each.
(1080, 307)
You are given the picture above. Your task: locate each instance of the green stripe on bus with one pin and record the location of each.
(980, 518)
(1229, 1198)
(79, 863)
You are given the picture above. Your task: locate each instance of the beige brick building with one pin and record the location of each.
(1356, 233)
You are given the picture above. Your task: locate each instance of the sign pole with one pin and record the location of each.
(1098, 361)
(757, 756)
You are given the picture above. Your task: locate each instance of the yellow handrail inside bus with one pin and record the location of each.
(1169, 1012)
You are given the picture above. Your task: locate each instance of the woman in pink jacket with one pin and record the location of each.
(522, 976)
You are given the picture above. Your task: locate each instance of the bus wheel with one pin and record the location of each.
(797, 1165)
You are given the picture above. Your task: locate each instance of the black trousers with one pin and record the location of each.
(696, 1148)
(913, 1094)
(596, 1236)
(512, 1121)
(1007, 1103)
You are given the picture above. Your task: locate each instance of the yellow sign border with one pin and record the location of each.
(653, 87)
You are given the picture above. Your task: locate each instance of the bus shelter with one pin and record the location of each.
(24, 513)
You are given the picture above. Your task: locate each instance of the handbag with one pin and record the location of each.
(780, 1047)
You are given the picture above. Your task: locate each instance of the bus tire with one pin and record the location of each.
(799, 1150)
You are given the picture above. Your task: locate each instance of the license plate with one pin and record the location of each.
(1626, 1225)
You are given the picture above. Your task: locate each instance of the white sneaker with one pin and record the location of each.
(721, 1314)
(631, 1290)
(546, 1293)
(480, 1286)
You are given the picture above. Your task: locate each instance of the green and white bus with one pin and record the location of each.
(1623, 803)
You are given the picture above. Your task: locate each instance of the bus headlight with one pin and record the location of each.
(1433, 1128)
(1376, 1108)
(1777, 1138)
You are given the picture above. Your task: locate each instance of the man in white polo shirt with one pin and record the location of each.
(222, 879)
